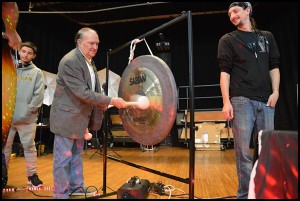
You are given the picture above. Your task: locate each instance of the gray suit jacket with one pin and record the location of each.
(75, 106)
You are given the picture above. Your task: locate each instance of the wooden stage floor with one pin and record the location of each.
(214, 176)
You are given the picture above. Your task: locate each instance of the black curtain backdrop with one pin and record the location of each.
(54, 36)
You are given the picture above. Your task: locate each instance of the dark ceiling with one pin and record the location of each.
(99, 13)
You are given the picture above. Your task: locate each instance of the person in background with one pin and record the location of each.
(30, 96)
(78, 104)
(249, 62)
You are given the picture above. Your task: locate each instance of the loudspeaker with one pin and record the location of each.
(275, 173)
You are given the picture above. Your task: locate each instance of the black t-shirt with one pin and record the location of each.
(252, 42)
(248, 57)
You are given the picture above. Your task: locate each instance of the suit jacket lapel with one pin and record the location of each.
(85, 68)
(97, 82)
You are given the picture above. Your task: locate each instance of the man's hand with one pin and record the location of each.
(228, 111)
(87, 135)
(118, 102)
(14, 40)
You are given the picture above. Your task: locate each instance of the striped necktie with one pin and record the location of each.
(92, 63)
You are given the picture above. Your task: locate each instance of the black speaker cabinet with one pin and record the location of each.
(134, 189)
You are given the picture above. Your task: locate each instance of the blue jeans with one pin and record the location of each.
(250, 116)
(67, 166)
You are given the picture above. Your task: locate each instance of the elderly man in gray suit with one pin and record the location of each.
(78, 104)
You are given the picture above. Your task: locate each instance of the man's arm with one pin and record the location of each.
(275, 80)
(10, 17)
(224, 84)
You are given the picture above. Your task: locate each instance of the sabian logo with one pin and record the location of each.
(138, 79)
(140, 120)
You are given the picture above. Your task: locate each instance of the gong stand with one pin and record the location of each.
(189, 180)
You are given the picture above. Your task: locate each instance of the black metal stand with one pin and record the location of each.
(97, 145)
(39, 143)
(100, 149)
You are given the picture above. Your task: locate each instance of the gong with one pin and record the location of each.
(9, 90)
(148, 76)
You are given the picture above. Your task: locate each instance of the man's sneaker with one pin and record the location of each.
(35, 181)
(86, 192)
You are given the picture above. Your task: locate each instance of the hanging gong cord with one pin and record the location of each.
(133, 45)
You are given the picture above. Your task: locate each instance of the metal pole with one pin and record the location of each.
(105, 128)
(192, 130)
(153, 31)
